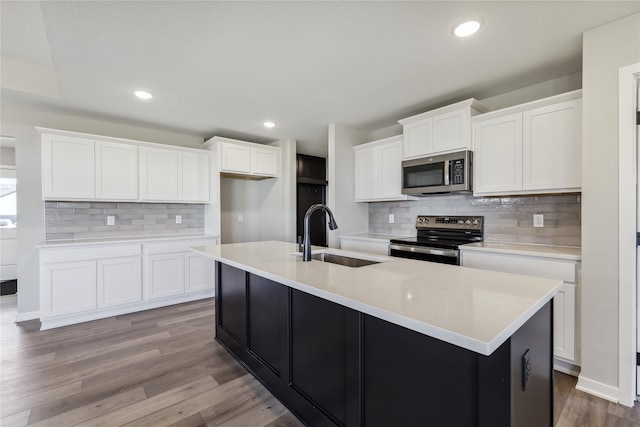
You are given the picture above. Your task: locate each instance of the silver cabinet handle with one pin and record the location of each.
(446, 172)
(425, 250)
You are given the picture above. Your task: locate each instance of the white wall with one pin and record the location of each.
(605, 50)
(351, 217)
(20, 123)
(267, 206)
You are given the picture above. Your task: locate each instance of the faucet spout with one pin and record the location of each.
(306, 243)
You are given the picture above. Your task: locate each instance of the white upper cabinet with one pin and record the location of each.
(116, 171)
(442, 130)
(552, 142)
(236, 158)
(193, 177)
(498, 154)
(68, 167)
(529, 149)
(264, 161)
(158, 174)
(75, 167)
(247, 158)
(378, 171)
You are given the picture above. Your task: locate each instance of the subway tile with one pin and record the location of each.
(155, 206)
(104, 205)
(155, 216)
(74, 205)
(87, 211)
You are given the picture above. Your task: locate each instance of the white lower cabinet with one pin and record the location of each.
(173, 269)
(164, 275)
(566, 326)
(199, 272)
(68, 287)
(89, 282)
(119, 281)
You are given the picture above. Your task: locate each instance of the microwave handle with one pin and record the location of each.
(446, 172)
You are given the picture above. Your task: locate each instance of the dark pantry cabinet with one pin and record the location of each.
(332, 365)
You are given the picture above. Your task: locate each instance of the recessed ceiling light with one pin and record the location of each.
(467, 27)
(143, 94)
(269, 124)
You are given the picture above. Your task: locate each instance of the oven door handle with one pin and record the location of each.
(425, 250)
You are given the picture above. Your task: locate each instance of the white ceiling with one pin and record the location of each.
(223, 68)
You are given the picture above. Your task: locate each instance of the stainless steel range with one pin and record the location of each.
(438, 238)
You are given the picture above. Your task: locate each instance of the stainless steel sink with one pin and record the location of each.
(342, 260)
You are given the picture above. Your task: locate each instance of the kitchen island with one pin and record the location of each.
(398, 342)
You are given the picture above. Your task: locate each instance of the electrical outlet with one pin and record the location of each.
(178, 219)
(538, 220)
(111, 220)
(392, 218)
(240, 218)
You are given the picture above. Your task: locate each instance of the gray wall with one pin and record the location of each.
(507, 219)
(605, 50)
(82, 220)
(7, 156)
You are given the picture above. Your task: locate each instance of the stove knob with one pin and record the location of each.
(468, 222)
(460, 221)
(475, 222)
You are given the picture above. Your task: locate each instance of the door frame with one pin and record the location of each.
(627, 223)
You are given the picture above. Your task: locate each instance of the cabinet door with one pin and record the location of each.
(193, 177)
(498, 155)
(199, 272)
(324, 356)
(564, 304)
(158, 174)
(418, 138)
(451, 131)
(231, 303)
(552, 147)
(390, 170)
(68, 168)
(267, 304)
(68, 287)
(164, 275)
(236, 158)
(264, 161)
(119, 281)
(116, 171)
(366, 175)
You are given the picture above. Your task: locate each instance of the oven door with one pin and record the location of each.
(424, 253)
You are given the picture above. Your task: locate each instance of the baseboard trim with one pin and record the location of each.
(28, 315)
(596, 388)
(72, 319)
(566, 367)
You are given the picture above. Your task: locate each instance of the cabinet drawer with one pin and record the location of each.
(530, 266)
(173, 247)
(51, 255)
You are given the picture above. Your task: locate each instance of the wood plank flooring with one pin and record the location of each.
(162, 367)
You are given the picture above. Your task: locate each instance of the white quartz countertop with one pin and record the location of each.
(474, 309)
(118, 240)
(547, 251)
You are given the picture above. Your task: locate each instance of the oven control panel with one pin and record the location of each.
(455, 222)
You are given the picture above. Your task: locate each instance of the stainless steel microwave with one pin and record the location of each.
(443, 173)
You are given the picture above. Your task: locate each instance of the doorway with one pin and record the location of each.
(8, 219)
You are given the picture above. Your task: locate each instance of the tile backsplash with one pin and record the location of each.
(508, 219)
(83, 220)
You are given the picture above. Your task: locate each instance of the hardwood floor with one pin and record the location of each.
(162, 367)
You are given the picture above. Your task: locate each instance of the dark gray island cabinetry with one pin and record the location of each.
(331, 364)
